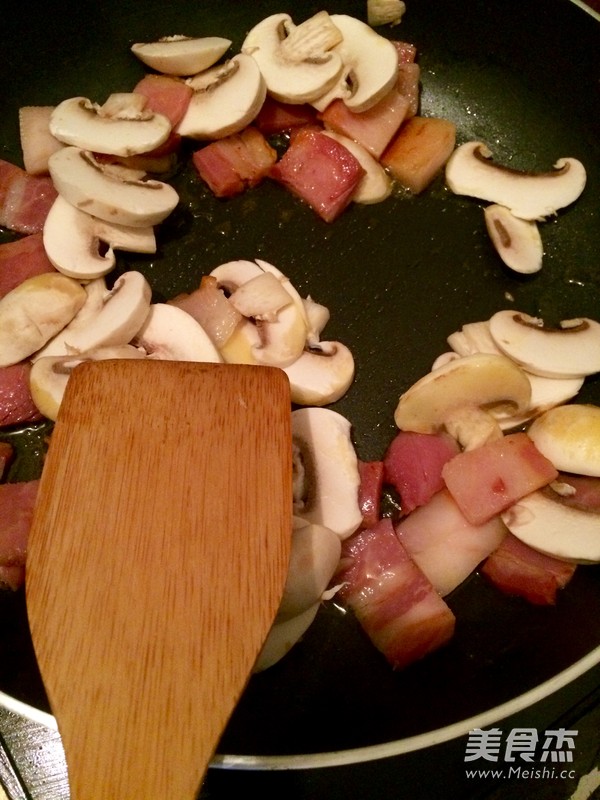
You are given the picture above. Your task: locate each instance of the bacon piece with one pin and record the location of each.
(413, 465)
(22, 259)
(17, 501)
(392, 599)
(374, 128)
(25, 200)
(407, 52)
(275, 117)
(232, 164)
(408, 86)
(320, 171)
(490, 478)
(586, 495)
(209, 306)
(369, 491)
(166, 95)
(16, 404)
(419, 151)
(6, 456)
(517, 569)
(444, 544)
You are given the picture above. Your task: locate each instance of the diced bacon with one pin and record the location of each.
(413, 465)
(488, 479)
(232, 164)
(166, 95)
(17, 501)
(6, 456)
(396, 605)
(586, 495)
(25, 200)
(517, 569)
(320, 171)
(16, 404)
(419, 151)
(408, 86)
(209, 306)
(444, 544)
(275, 117)
(24, 258)
(374, 128)
(369, 491)
(407, 52)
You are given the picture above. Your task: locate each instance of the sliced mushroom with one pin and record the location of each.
(571, 350)
(169, 333)
(283, 636)
(123, 126)
(462, 397)
(314, 557)
(569, 436)
(375, 185)
(370, 66)
(293, 76)
(385, 12)
(226, 99)
(49, 375)
(37, 143)
(327, 459)
(317, 317)
(33, 312)
(321, 375)
(181, 55)
(262, 297)
(115, 320)
(112, 195)
(517, 241)
(79, 255)
(543, 522)
(533, 196)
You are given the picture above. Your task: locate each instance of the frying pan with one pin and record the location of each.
(398, 277)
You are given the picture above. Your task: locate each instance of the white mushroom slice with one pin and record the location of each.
(370, 66)
(49, 375)
(385, 12)
(169, 333)
(542, 522)
(314, 556)
(317, 317)
(78, 254)
(534, 196)
(121, 127)
(325, 450)
(283, 636)
(37, 143)
(321, 375)
(375, 185)
(462, 395)
(181, 55)
(109, 194)
(517, 241)
(569, 437)
(262, 297)
(33, 312)
(571, 350)
(288, 79)
(117, 321)
(226, 99)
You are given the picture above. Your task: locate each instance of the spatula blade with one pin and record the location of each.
(156, 562)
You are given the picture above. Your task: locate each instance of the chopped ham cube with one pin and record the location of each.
(419, 151)
(413, 465)
(579, 491)
(166, 95)
(396, 605)
(16, 404)
(6, 456)
(17, 501)
(22, 259)
(25, 200)
(488, 479)
(320, 171)
(444, 544)
(232, 164)
(275, 117)
(408, 86)
(517, 569)
(369, 491)
(407, 52)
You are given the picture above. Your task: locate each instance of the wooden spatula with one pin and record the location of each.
(157, 559)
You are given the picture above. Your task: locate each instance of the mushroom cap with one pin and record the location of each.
(283, 636)
(81, 123)
(569, 437)
(470, 171)
(517, 241)
(569, 351)
(181, 55)
(483, 380)
(321, 375)
(170, 333)
(542, 522)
